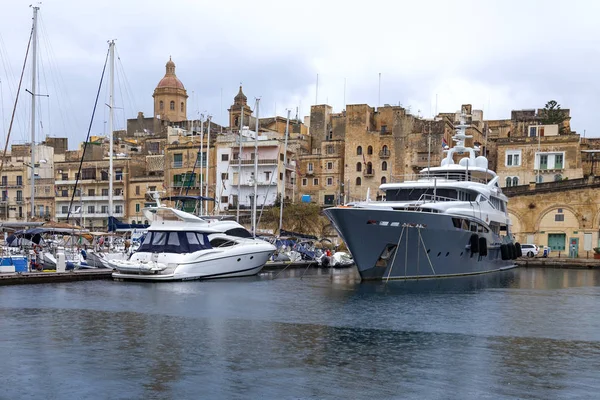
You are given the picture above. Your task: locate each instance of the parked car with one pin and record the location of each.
(529, 250)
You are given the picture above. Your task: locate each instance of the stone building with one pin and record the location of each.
(170, 97)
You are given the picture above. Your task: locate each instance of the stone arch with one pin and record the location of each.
(517, 226)
(568, 211)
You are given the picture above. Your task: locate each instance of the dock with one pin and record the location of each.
(20, 278)
(555, 262)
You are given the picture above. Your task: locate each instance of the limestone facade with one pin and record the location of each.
(170, 97)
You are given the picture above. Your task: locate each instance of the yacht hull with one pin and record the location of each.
(210, 265)
(396, 244)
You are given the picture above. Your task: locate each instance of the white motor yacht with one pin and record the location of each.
(182, 246)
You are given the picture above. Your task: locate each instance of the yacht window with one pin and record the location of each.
(173, 239)
(465, 224)
(239, 232)
(159, 239)
(192, 239)
(456, 222)
(221, 242)
(473, 227)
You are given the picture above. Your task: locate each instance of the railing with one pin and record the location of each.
(311, 172)
(185, 184)
(20, 199)
(6, 184)
(261, 161)
(367, 173)
(384, 154)
(439, 176)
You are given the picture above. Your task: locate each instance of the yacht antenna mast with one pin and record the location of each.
(111, 99)
(33, 90)
(255, 170)
(287, 130)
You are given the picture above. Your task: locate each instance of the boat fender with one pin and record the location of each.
(474, 242)
(513, 251)
(483, 251)
(504, 251)
(518, 248)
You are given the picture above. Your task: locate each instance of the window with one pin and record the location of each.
(236, 156)
(558, 161)
(64, 176)
(224, 157)
(119, 192)
(19, 180)
(557, 177)
(329, 165)
(539, 179)
(224, 176)
(224, 199)
(161, 105)
(304, 181)
(91, 192)
(88, 173)
(383, 180)
(330, 149)
(105, 192)
(358, 181)
(104, 209)
(316, 181)
(91, 209)
(118, 175)
(559, 217)
(358, 166)
(515, 181)
(153, 147)
(544, 161)
(4, 180)
(383, 128)
(309, 167)
(329, 181)
(513, 158)
(203, 156)
(369, 168)
(152, 188)
(178, 160)
(137, 190)
(137, 207)
(181, 108)
(5, 195)
(118, 209)
(19, 195)
(359, 151)
(384, 166)
(280, 176)
(65, 209)
(370, 150)
(172, 105)
(64, 193)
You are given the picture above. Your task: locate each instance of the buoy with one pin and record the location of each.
(483, 250)
(504, 251)
(519, 250)
(474, 241)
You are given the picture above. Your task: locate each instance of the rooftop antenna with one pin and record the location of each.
(344, 93)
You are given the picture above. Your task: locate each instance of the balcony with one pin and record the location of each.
(19, 200)
(259, 183)
(185, 184)
(384, 154)
(310, 173)
(11, 184)
(248, 163)
(368, 173)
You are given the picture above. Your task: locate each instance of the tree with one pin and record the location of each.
(552, 114)
(300, 217)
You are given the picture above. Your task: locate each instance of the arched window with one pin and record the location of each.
(358, 167)
(508, 181)
(558, 177)
(369, 168)
(515, 181)
(236, 121)
(172, 106)
(384, 149)
(182, 106)
(358, 150)
(358, 181)
(383, 180)
(384, 166)
(539, 179)
(161, 105)
(370, 150)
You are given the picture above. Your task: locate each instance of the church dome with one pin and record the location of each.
(240, 98)
(170, 80)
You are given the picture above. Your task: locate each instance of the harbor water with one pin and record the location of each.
(525, 333)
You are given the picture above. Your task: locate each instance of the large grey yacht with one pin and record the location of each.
(447, 221)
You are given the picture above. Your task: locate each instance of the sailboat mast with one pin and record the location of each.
(207, 166)
(239, 160)
(287, 130)
(111, 99)
(33, 87)
(255, 170)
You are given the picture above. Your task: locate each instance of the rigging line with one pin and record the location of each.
(16, 101)
(395, 254)
(427, 254)
(128, 88)
(85, 144)
(122, 99)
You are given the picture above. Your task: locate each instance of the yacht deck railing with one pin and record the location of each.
(439, 177)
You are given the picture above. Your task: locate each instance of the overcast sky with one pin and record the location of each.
(496, 55)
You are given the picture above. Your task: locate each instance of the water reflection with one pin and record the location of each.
(524, 333)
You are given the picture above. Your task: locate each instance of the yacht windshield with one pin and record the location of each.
(174, 242)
